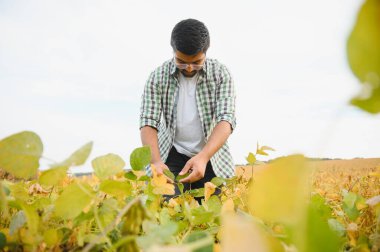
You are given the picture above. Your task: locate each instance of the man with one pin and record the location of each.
(188, 110)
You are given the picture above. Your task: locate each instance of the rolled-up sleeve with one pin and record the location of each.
(225, 98)
(150, 110)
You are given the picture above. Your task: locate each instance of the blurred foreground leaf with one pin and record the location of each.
(107, 165)
(79, 157)
(363, 51)
(140, 158)
(116, 188)
(279, 191)
(53, 176)
(20, 154)
(241, 233)
(73, 200)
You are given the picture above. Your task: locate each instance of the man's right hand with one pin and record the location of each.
(160, 167)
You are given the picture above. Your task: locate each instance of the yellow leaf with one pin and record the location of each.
(279, 192)
(239, 172)
(167, 189)
(172, 203)
(160, 183)
(251, 158)
(228, 207)
(159, 180)
(51, 237)
(209, 190)
(241, 234)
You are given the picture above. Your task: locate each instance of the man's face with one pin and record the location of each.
(197, 59)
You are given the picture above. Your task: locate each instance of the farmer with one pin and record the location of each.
(188, 110)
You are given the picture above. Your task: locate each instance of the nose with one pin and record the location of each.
(189, 68)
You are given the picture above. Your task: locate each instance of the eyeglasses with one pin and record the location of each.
(193, 66)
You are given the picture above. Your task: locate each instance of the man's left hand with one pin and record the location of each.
(198, 165)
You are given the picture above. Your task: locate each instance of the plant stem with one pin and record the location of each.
(113, 224)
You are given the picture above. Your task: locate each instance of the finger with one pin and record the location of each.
(194, 176)
(159, 171)
(186, 168)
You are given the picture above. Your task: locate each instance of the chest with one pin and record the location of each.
(202, 93)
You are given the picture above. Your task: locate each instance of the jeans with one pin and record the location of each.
(176, 161)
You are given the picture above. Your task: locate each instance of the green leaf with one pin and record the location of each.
(4, 192)
(116, 188)
(53, 176)
(79, 157)
(337, 227)
(19, 192)
(51, 237)
(200, 192)
(107, 211)
(349, 205)
(5, 189)
(20, 154)
(169, 174)
(251, 159)
(218, 181)
(144, 178)
(214, 204)
(179, 177)
(320, 206)
(130, 175)
(200, 216)
(18, 220)
(138, 214)
(32, 217)
(350, 199)
(318, 236)
(368, 100)
(196, 236)
(157, 234)
(140, 158)
(352, 212)
(3, 240)
(83, 217)
(180, 187)
(107, 165)
(363, 51)
(73, 200)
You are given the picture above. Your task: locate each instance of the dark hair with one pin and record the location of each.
(190, 36)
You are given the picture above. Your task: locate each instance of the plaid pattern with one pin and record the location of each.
(215, 97)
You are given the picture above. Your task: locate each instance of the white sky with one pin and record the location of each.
(74, 71)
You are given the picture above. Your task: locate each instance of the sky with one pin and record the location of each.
(74, 72)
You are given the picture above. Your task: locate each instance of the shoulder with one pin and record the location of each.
(164, 69)
(217, 69)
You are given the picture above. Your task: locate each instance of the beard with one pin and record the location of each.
(187, 74)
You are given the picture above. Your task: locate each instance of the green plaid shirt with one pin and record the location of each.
(215, 97)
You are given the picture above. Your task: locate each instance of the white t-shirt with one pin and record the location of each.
(189, 138)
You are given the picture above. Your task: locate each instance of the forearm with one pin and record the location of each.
(149, 137)
(218, 137)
